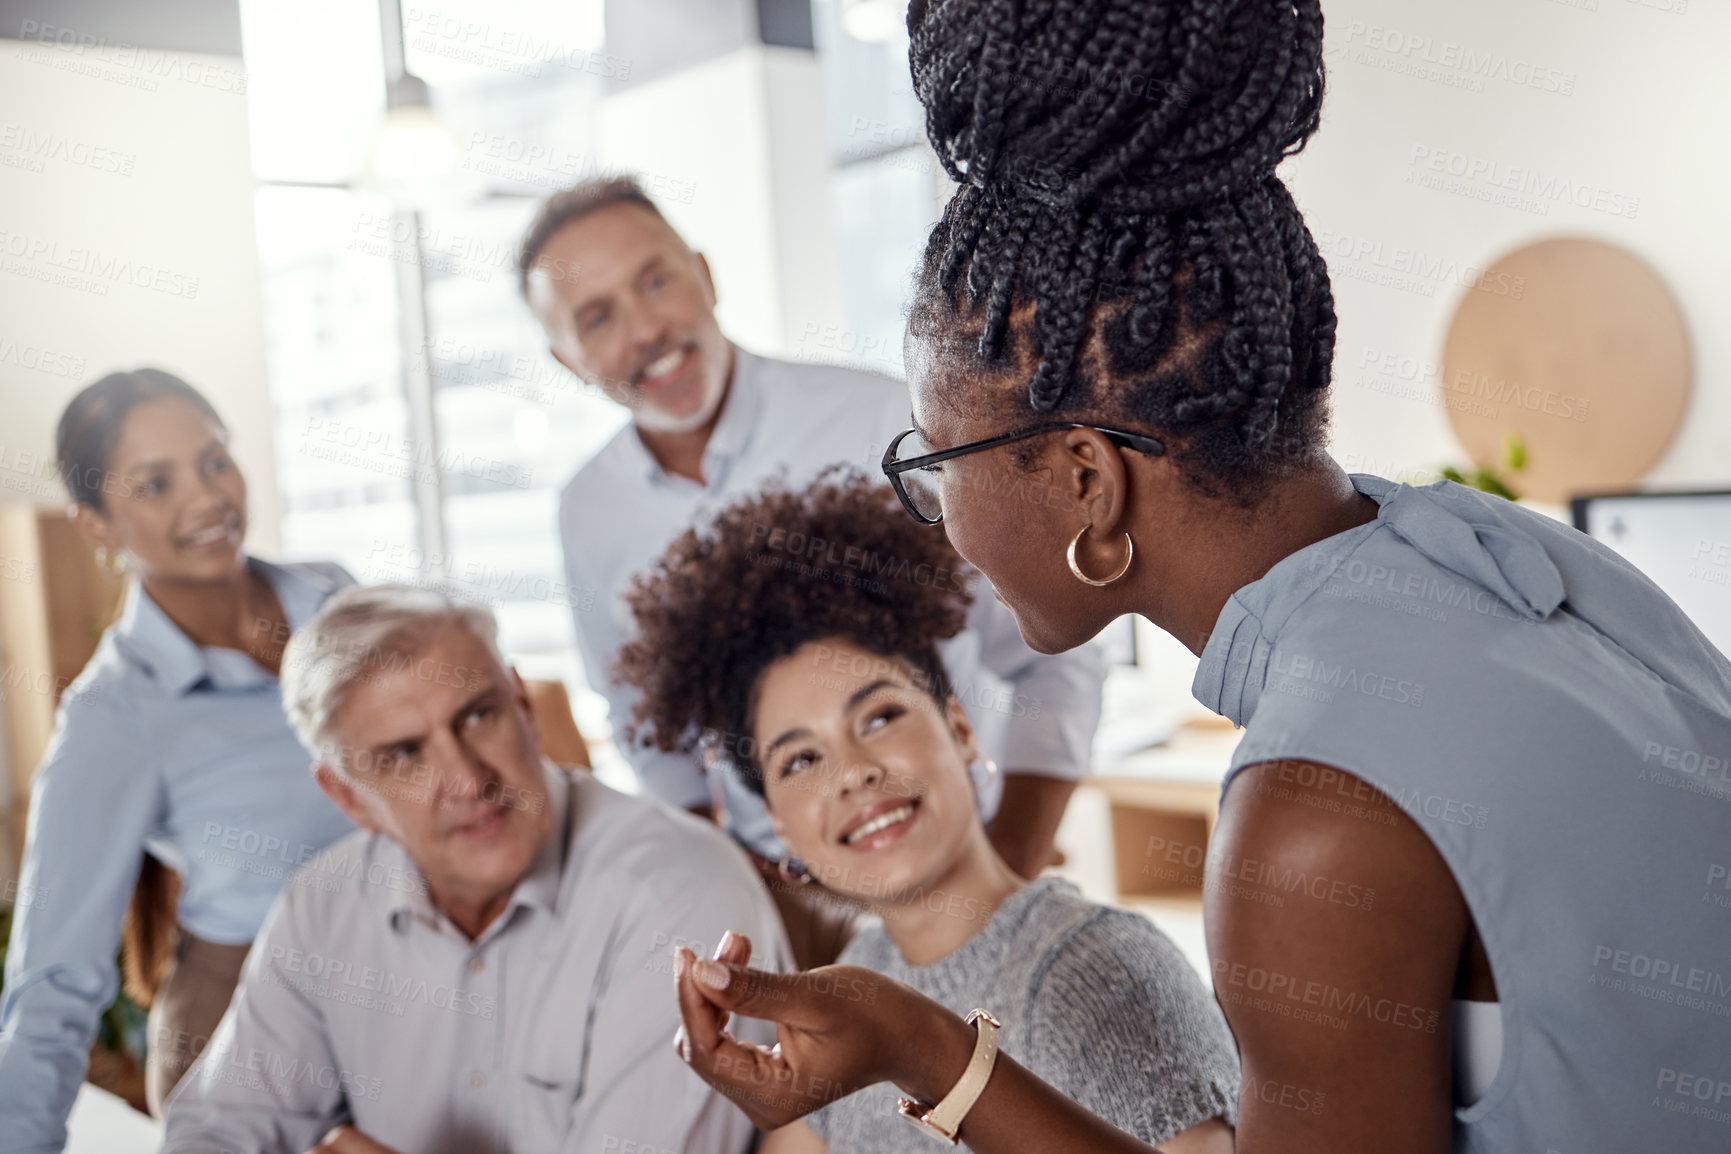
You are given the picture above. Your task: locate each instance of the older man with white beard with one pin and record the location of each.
(629, 307)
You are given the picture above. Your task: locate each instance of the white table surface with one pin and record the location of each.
(103, 1124)
(1198, 752)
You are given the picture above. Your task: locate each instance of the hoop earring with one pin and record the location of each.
(987, 775)
(798, 876)
(1076, 568)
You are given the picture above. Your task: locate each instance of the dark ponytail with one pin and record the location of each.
(90, 427)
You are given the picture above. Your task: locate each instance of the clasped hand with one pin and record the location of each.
(839, 1029)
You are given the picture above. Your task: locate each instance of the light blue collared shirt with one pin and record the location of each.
(1033, 712)
(158, 746)
(1561, 733)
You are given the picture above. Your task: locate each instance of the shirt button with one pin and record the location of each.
(476, 965)
(477, 1081)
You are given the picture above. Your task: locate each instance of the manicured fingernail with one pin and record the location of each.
(682, 1045)
(713, 974)
(681, 962)
(728, 941)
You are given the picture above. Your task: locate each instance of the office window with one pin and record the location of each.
(349, 278)
(887, 185)
(344, 456)
(513, 425)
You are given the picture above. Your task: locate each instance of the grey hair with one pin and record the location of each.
(358, 634)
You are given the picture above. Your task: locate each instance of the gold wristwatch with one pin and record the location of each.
(944, 1121)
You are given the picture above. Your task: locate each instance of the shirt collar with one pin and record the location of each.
(539, 888)
(733, 428)
(179, 663)
(738, 414)
(1453, 527)
(1234, 661)
(145, 631)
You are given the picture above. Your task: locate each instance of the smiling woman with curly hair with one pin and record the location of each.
(765, 577)
(797, 635)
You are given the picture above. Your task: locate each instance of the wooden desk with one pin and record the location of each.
(55, 601)
(1163, 803)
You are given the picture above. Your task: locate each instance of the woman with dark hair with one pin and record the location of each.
(170, 753)
(825, 689)
(1456, 894)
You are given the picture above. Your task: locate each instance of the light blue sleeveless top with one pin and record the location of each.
(1562, 733)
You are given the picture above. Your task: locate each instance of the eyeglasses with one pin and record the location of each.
(915, 479)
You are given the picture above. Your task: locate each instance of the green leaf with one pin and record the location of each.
(1493, 484)
(1514, 453)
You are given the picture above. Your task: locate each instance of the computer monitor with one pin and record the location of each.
(1681, 540)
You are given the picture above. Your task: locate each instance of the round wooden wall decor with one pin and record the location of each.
(1577, 347)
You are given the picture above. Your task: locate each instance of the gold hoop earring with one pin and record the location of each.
(984, 775)
(1076, 568)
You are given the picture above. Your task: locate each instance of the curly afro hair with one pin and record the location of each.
(768, 575)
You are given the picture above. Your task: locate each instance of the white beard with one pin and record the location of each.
(646, 416)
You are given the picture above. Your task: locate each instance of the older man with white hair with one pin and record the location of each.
(486, 966)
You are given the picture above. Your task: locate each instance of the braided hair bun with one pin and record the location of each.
(1116, 162)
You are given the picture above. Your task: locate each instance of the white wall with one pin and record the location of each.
(733, 151)
(125, 174)
(1630, 99)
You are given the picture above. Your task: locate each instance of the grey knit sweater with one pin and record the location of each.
(1094, 1000)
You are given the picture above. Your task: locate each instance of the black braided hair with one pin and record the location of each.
(1119, 240)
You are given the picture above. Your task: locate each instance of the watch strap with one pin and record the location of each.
(944, 1121)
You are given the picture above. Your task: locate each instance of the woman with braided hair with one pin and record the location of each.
(1454, 899)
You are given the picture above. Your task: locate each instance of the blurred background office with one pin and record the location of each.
(312, 211)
